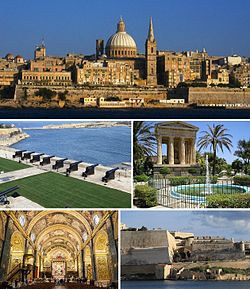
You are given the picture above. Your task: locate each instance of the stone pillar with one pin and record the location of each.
(93, 262)
(159, 150)
(5, 252)
(171, 151)
(113, 249)
(193, 151)
(83, 264)
(34, 265)
(182, 151)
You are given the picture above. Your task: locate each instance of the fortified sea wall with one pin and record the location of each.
(223, 96)
(216, 249)
(75, 94)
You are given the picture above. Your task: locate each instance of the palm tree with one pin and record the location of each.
(216, 138)
(143, 142)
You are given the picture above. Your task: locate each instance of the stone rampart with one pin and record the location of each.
(222, 96)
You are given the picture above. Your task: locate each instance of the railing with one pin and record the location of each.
(14, 271)
(193, 193)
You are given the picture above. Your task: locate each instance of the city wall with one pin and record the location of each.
(75, 94)
(222, 96)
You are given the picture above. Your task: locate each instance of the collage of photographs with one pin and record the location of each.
(124, 144)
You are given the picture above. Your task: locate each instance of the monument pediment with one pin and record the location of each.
(177, 125)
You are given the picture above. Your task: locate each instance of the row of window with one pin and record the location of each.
(32, 77)
(122, 53)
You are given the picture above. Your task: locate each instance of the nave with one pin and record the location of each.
(49, 249)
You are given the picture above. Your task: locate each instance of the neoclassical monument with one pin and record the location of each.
(45, 246)
(180, 140)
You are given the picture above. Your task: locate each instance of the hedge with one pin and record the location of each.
(242, 181)
(146, 195)
(228, 201)
(141, 178)
(178, 181)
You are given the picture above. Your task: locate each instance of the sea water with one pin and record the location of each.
(106, 146)
(185, 284)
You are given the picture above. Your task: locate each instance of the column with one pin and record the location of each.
(83, 265)
(159, 150)
(5, 252)
(113, 249)
(93, 260)
(171, 151)
(34, 265)
(182, 151)
(193, 150)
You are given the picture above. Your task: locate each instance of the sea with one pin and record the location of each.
(185, 284)
(106, 146)
(134, 113)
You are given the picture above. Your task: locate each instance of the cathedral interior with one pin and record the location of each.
(76, 249)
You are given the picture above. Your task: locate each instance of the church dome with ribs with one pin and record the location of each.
(121, 44)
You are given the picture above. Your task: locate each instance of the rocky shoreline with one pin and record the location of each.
(99, 124)
(11, 136)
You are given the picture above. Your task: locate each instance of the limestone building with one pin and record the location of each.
(180, 141)
(142, 251)
(43, 246)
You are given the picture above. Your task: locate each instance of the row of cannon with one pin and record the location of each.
(60, 163)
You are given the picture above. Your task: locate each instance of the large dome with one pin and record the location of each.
(121, 39)
(121, 44)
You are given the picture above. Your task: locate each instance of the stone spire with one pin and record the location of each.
(121, 25)
(151, 36)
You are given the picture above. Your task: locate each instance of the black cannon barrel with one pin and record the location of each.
(46, 160)
(36, 158)
(109, 175)
(59, 164)
(27, 155)
(90, 170)
(18, 154)
(9, 190)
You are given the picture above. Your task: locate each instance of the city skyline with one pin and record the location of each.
(85, 25)
(228, 224)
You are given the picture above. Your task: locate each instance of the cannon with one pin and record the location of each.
(18, 154)
(46, 160)
(109, 175)
(73, 167)
(90, 170)
(3, 195)
(27, 155)
(36, 158)
(59, 164)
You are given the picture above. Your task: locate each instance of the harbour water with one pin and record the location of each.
(134, 113)
(185, 284)
(106, 146)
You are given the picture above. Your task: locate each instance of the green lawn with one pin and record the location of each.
(9, 166)
(52, 190)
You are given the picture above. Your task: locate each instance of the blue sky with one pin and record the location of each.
(238, 129)
(229, 224)
(222, 26)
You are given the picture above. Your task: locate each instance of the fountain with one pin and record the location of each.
(208, 188)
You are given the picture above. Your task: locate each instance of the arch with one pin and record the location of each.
(43, 214)
(61, 227)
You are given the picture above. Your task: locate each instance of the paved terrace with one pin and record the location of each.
(121, 182)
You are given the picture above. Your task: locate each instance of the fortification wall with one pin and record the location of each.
(209, 96)
(147, 247)
(28, 93)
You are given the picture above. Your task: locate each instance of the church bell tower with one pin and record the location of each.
(150, 51)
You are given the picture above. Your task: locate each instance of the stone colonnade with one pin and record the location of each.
(180, 150)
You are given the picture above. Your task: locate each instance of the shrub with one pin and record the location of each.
(178, 181)
(242, 180)
(46, 93)
(141, 178)
(228, 201)
(146, 195)
(164, 171)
